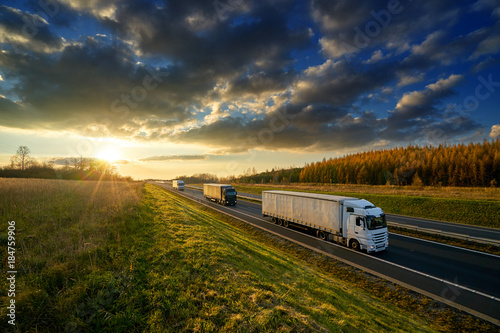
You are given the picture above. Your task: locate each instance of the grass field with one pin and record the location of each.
(122, 257)
(480, 206)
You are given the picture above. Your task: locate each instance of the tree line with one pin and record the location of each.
(275, 176)
(200, 178)
(475, 164)
(23, 165)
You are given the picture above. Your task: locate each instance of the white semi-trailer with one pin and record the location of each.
(354, 222)
(178, 185)
(221, 193)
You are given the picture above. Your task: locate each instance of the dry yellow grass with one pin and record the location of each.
(58, 220)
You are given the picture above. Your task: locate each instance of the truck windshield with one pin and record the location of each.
(230, 192)
(373, 222)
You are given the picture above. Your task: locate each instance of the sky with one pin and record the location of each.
(170, 88)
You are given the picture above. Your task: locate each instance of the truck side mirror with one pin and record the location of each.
(358, 221)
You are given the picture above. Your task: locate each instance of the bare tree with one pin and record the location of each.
(22, 156)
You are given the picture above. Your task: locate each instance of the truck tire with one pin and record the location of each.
(274, 220)
(286, 224)
(355, 245)
(321, 234)
(280, 222)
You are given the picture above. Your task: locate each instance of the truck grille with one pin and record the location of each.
(380, 239)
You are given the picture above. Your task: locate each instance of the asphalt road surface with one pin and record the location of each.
(468, 280)
(457, 228)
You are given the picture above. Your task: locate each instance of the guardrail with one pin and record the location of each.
(249, 198)
(445, 234)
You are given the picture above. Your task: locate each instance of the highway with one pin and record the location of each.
(457, 228)
(465, 279)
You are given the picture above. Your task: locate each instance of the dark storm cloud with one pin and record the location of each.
(23, 31)
(439, 50)
(419, 114)
(260, 83)
(191, 33)
(9, 112)
(285, 129)
(94, 84)
(179, 71)
(351, 27)
(340, 83)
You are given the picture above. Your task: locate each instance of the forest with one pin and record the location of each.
(457, 165)
(475, 164)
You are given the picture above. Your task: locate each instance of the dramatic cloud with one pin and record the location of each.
(270, 75)
(174, 158)
(419, 115)
(20, 31)
(63, 161)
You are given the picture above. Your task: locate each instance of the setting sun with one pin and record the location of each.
(109, 154)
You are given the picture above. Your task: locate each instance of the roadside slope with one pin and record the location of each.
(230, 280)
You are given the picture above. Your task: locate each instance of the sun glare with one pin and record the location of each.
(108, 154)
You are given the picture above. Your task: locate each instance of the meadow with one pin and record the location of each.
(129, 257)
(475, 206)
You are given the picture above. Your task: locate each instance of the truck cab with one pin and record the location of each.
(178, 185)
(229, 195)
(366, 226)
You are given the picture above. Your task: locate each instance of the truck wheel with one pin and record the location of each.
(273, 220)
(321, 234)
(280, 222)
(285, 224)
(355, 245)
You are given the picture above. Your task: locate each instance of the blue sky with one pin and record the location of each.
(180, 87)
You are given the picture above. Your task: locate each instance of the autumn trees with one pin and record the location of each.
(458, 165)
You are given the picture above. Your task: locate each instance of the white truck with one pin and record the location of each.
(354, 222)
(178, 185)
(221, 193)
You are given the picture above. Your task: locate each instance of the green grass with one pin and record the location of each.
(117, 257)
(468, 211)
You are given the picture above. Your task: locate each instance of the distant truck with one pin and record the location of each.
(178, 185)
(356, 223)
(221, 193)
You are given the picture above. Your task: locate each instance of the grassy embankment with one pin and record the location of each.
(475, 206)
(111, 257)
